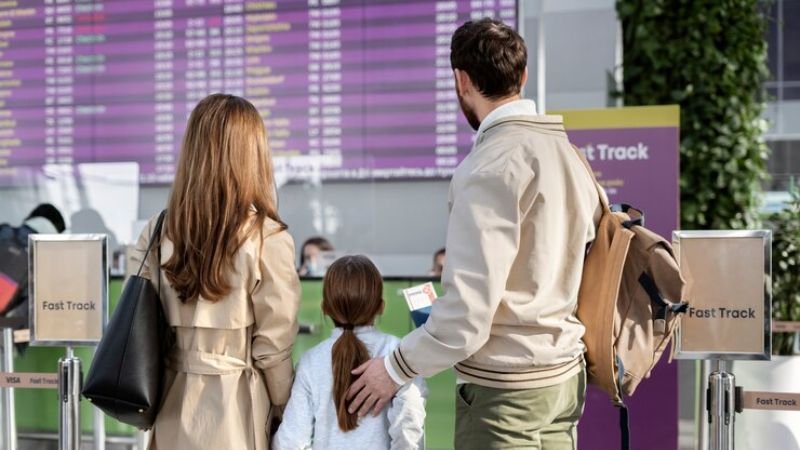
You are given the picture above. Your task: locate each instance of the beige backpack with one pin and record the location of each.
(630, 301)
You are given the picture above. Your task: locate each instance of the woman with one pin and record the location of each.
(310, 260)
(228, 286)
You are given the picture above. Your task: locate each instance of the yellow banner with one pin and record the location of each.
(627, 117)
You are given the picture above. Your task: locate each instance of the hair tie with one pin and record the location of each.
(348, 327)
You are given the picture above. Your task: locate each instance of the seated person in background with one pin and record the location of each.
(438, 263)
(316, 416)
(310, 264)
(44, 219)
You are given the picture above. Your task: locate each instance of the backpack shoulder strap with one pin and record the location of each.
(600, 192)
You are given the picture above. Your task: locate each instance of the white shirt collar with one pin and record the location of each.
(522, 107)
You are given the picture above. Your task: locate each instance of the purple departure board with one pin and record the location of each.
(347, 89)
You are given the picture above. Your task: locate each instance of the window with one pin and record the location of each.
(783, 164)
(783, 49)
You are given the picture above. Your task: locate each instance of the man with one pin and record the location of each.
(44, 219)
(522, 210)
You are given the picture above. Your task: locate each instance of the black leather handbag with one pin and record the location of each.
(126, 376)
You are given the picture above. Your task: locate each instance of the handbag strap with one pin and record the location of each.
(155, 236)
(600, 192)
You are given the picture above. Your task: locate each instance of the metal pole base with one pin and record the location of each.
(721, 409)
(8, 440)
(69, 395)
(99, 420)
(142, 440)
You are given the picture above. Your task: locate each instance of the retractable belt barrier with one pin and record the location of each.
(22, 336)
(781, 401)
(29, 380)
(785, 327)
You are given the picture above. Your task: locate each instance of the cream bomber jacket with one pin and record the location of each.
(522, 211)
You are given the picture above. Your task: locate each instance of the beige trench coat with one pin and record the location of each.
(231, 363)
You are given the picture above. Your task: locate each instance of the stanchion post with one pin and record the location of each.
(721, 408)
(69, 391)
(142, 438)
(99, 420)
(9, 425)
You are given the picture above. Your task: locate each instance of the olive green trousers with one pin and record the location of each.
(530, 419)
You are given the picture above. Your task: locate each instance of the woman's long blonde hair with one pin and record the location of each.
(224, 177)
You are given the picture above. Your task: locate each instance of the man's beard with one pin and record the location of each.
(469, 113)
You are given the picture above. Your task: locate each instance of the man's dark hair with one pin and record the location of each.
(51, 213)
(492, 54)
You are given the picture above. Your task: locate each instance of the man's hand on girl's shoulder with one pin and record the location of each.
(373, 389)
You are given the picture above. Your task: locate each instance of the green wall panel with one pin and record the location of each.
(37, 409)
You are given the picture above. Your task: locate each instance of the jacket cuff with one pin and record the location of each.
(387, 363)
(397, 367)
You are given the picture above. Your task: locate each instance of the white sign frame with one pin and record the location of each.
(36, 240)
(713, 354)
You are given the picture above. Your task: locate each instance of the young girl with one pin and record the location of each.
(316, 416)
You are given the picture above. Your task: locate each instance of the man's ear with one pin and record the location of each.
(463, 82)
(524, 80)
(383, 307)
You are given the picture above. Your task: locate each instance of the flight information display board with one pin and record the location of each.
(347, 89)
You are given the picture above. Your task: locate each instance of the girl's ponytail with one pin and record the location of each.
(348, 353)
(352, 295)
